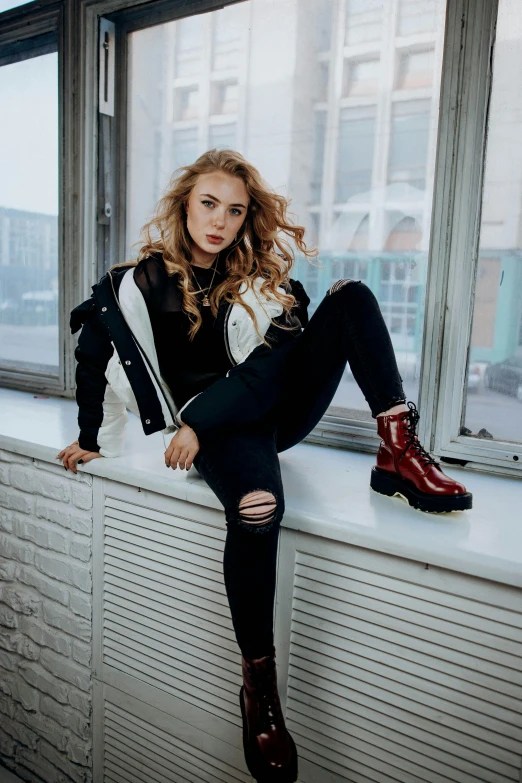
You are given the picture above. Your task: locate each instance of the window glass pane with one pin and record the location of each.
(355, 159)
(363, 21)
(188, 44)
(410, 127)
(355, 153)
(227, 30)
(223, 135)
(323, 30)
(417, 16)
(415, 69)
(493, 400)
(29, 214)
(361, 77)
(184, 147)
(316, 179)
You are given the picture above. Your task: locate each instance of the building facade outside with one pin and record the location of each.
(337, 105)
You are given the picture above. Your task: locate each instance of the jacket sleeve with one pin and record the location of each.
(252, 387)
(102, 416)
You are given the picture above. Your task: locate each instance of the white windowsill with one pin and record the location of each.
(327, 493)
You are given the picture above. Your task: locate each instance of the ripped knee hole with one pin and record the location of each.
(257, 508)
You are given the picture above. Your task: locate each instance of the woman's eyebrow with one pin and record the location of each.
(219, 202)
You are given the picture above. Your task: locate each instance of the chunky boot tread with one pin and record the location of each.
(404, 468)
(386, 483)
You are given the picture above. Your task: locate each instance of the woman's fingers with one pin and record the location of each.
(182, 459)
(66, 449)
(190, 460)
(175, 457)
(71, 460)
(168, 455)
(192, 453)
(67, 453)
(74, 455)
(180, 456)
(182, 449)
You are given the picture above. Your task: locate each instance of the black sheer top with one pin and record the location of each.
(188, 367)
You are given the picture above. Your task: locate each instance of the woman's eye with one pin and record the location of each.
(237, 211)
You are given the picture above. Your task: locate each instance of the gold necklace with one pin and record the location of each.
(206, 300)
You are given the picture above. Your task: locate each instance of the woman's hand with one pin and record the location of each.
(73, 454)
(182, 448)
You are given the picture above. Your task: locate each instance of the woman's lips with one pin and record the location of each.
(214, 240)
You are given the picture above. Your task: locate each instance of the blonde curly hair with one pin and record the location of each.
(254, 254)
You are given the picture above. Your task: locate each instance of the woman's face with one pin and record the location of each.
(217, 207)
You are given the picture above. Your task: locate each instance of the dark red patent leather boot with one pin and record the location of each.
(270, 751)
(405, 468)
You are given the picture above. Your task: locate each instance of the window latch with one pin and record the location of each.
(106, 51)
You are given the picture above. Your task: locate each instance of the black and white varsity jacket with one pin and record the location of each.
(118, 368)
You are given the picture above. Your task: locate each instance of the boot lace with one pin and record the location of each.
(411, 419)
(270, 711)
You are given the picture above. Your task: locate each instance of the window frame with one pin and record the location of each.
(457, 193)
(26, 32)
(455, 237)
(455, 210)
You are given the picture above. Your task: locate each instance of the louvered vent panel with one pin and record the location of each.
(393, 681)
(166, 618)
(138, 752)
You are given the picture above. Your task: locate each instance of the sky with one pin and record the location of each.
(29, 134)
(5, 5)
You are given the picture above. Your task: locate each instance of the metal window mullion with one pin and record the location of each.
(70, 207)
(25, 33)
(456, 216)
(120, 146)
(89, 175)
(467, 204)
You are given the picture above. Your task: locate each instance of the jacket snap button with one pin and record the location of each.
(147, 421)
(234, 323)
(104, 309)
(127, 361)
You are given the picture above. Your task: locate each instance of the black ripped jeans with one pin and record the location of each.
(346, 327)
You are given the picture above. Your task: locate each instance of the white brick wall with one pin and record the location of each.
(45, 621)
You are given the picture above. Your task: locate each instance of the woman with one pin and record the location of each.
(217, 346)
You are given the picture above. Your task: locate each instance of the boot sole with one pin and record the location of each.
(264, 776)
(387, 484)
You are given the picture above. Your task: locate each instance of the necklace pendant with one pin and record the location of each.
(206, 301)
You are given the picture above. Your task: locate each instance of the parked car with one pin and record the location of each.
(506, 376)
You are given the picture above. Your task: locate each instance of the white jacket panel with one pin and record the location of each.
(111, 435)
(134, 309)
(242, 335)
